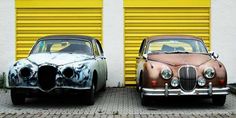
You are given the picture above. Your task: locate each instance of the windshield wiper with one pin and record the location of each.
(176, 52)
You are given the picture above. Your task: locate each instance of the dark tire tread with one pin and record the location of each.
(90, 98)
(144, 100)
(17, 97)
(219, 100)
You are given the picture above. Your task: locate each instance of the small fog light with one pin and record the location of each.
(59, 81)
(33, 81)
(174, 82)
(201, 81)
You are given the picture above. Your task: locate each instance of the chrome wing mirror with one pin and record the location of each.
(145, 56)
(214, 55)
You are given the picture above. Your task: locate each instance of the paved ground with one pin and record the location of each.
(117, 102)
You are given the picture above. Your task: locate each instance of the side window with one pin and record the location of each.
(142, 47)
(96, 51)
(99, 47)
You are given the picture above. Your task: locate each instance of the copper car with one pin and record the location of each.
(179, 66)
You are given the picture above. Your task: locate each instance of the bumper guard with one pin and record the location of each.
(178, 92)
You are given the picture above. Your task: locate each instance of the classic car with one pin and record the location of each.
(59, 64)
(179, 66)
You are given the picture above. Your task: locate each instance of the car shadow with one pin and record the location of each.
(181, 102)
(127, 96)
(66, 101)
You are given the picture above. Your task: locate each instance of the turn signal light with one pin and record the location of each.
(222, 82)
(154, 83)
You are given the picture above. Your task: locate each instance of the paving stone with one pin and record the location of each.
(117, 103)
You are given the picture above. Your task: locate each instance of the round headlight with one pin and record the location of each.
(68, 72)
(209, 73)
(26, 72)
(166, 73)
(201, 81)
(175, 82)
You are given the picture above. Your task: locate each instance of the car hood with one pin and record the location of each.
(180, 59)
(57, 58)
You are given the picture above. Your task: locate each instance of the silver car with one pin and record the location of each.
(59, 64)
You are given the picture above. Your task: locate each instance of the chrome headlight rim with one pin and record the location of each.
(66, 69)
(201, 81)
(166, 73)
(31, 73)
(174, 79)
(206, 74)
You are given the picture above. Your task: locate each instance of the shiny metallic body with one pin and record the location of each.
(186, 67)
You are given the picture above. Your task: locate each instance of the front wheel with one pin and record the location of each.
(91, 96)
(104, 87)
(17, 97)
(144, 99)
(219, 100)
(137, 87)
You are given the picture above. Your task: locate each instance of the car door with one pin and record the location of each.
(140, 60)
(100, 62)
(103, 63)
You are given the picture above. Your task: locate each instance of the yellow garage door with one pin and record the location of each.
(161, 17)
(38, 18)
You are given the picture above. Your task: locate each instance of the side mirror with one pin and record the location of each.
(145, 56)
(214, 55)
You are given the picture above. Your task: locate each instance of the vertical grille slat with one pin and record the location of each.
(187, 76)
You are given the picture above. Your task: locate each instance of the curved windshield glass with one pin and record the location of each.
(63, 46)
(176, 46)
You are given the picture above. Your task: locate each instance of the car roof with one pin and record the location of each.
(159, 37)
(89, 38)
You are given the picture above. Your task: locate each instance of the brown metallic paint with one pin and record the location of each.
(156, 62)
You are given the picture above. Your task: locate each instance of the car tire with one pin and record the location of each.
(90, 100)
(144, 99)
(17, 98)
(219, 100)
(137, 87)
(104, 87)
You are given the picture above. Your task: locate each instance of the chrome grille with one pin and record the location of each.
(47, 77)
(187, 75)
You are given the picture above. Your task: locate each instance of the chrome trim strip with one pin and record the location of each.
(179, 92)
(58, 87)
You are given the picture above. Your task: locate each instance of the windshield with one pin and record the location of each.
(63, 46)
(176, 46)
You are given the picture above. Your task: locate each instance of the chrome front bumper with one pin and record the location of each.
(57, 87)
(179, 92)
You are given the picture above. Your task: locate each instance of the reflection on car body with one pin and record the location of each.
(179, 66)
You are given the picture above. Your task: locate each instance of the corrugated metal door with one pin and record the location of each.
(38, 18)
(161, 17)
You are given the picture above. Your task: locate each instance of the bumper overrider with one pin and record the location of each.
(179, 92)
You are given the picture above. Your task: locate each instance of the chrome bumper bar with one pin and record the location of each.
(57, 87)
(178, 92)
